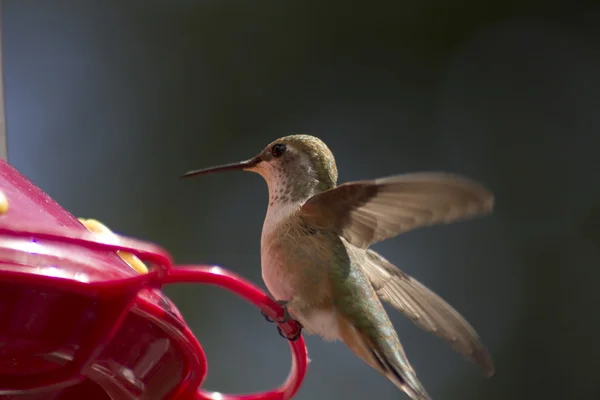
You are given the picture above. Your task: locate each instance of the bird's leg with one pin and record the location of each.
(286, 317)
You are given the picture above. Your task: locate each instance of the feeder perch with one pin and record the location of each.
(82, 315)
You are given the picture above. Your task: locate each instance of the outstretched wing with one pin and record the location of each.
(366, 212)
(426, 309)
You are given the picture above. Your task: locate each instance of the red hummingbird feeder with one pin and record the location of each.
(82, 314)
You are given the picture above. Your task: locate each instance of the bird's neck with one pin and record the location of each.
(286, 197)
(292, 191)
(279, 212)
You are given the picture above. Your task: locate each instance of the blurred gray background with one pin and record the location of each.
(108, 102)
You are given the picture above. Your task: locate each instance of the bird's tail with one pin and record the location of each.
(386, 355)
(397, 369)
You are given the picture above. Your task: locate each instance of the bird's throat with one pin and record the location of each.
(278, 212)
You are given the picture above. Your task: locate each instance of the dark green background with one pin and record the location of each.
(109, 102)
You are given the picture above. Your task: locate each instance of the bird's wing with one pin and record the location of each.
(426, 309)
(366, 212)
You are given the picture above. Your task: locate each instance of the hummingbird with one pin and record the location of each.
(316, 261)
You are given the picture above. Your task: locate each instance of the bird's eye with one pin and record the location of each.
(278, 150)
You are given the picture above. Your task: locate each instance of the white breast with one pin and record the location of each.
(273, 257)
(277, 213)
(276, 273)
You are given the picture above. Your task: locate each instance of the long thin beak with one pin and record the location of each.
(227, 167)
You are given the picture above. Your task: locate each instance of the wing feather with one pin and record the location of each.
(366, 212)
(426, 309)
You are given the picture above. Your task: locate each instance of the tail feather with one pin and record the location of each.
(404, 378)
(393, 365)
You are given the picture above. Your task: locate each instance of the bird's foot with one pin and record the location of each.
(294, 337)
(286, 317)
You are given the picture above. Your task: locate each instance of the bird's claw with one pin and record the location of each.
(286, 317)
(292, 338)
